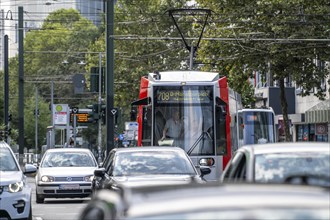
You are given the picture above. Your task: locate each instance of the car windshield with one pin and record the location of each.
(68, 159)
(278, 167)
(150, 162)
(7, 160)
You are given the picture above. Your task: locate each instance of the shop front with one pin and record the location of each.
(317, 124)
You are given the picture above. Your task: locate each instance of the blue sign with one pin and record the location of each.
(121, 137)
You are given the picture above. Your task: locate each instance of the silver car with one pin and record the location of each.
(300, 162)
(211, 200)
(65, 172)
(15, 192)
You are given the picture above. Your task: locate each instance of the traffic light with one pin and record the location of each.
(94, 79)
(93, 115)
(133, 114)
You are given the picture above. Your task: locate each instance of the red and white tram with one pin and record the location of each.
(205, 104)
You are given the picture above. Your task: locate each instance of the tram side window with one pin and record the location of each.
(221, 136)
(146, 127)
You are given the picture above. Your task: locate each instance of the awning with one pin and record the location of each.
(320, 113)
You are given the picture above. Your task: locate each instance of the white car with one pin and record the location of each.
(65, 173)
(306, 162)
(15, 193)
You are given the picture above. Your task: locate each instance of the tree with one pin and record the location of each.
(267, 32)
(136, 58)
(64, 35)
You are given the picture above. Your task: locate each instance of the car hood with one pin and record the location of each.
(154, 180)
(65, 171)
(9, 177)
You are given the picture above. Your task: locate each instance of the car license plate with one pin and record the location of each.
(69, 186)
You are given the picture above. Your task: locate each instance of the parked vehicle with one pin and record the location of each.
(211, 201)
(65, 172)
(146, 165)
(280, 162)
(15, 192)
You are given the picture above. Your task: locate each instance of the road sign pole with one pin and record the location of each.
(99, 137)
(74, 129)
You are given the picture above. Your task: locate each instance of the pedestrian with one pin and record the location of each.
(71, 142)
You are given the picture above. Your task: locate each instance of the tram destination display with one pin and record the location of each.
(167, 96)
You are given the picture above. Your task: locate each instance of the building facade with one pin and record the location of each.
(309, 116)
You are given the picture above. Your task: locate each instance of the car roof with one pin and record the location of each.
(238, 196)
(154, 200)
(68, 150)
(148, 148)
(4, 144)
(288, 147)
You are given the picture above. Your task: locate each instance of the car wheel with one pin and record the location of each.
(39, 199)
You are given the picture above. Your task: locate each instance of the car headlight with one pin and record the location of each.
(14, 187)
(47, 179)
(89, 178)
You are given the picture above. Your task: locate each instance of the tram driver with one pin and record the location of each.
(173, 128)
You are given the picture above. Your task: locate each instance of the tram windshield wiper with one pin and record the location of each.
(201, 137)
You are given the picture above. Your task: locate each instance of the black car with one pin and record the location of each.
(139, 165)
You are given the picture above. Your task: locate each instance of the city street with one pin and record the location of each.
(54, 209)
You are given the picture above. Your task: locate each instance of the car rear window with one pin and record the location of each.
(277, 167)
(147, 162)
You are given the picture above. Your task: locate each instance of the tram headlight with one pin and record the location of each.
(206, 162)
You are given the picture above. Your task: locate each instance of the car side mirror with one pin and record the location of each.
(99, 172)
(29, 168)
(204, 170)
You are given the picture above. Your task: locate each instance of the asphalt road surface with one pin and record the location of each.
(56, 209)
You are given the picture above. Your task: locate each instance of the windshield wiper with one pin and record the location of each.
(198, 140)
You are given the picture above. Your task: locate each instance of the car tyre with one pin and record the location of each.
(39, 199)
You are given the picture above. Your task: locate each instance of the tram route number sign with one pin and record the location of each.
(185, 96)
(81, 117)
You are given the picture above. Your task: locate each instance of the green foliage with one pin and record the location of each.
(265, 33)
(66, 35)
(136, 58)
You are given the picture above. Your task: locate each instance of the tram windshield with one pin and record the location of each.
(257, 127)
(183, 117)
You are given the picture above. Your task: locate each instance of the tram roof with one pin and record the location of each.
(188, 76)
(256, 110)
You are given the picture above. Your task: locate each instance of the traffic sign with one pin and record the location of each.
(114, 111)
(75, 110)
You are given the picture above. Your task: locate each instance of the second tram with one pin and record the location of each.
(205, 104)
(256, 126)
